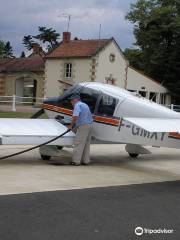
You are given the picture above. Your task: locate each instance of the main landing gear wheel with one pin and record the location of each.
(45, 157)
(133, 155)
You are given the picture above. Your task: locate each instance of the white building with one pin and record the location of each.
(101, 60)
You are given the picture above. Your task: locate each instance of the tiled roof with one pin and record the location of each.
(78, 48)
(34, 63)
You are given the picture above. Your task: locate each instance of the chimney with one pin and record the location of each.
(36, 48)
(66, 37)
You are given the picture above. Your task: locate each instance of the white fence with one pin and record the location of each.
(14, 101)
(174, 107)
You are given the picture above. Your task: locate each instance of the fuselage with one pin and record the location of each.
(109, 105)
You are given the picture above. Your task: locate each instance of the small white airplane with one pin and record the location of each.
(120, 117)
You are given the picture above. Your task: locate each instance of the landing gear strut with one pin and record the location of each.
(48, 151)
(134, 150)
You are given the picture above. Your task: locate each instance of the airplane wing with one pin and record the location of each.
(33, 131)
(156, 124)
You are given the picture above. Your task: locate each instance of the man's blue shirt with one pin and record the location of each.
(82, 111)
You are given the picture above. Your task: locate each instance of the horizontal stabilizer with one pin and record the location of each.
(156, 124)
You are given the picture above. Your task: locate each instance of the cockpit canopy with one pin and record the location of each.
(98, 102)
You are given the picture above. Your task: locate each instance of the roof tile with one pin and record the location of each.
(78, 48)
(34, 63)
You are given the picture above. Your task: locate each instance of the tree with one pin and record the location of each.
(135, 57)
(28, 42)
(6, 50)
(47, 36)
(2, 45)
(157, 33)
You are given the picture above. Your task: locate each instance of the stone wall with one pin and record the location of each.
(8, 82)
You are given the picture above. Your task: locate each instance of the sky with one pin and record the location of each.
(22, 17)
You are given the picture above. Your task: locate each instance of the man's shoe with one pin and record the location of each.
(75, 164)
(85, 164)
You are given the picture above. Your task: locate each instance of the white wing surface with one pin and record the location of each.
(33, 131)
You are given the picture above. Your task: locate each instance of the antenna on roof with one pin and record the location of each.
(99, 35)
(67, 16)
(100, 31)
(69, 19)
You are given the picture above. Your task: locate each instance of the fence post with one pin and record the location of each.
(14, 103)
(172, 106)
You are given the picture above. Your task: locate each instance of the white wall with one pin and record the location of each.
(81, 72)
(55, 70)
(116, 68)
(136, 81)
(139, 82)
(52, 75)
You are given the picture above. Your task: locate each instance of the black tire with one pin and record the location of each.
(133, 155)
(45, 157)
(59, 147)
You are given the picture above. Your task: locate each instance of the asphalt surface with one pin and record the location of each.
(97, 213)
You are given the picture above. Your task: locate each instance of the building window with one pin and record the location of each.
(112, 57)
(152, 96)
(142, 93)
(163, 98)
(107, 106)
(68, 70)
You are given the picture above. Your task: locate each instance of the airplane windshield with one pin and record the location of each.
(73, 90)
(87, 95)
(64, 101)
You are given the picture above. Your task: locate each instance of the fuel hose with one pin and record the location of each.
(37, 146)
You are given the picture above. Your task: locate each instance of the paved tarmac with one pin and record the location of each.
(111, 166)
(93, 214)
(106, 200)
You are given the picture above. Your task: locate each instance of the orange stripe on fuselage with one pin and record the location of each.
(47, 106)
(110, 121)
(174, 135)
(57, 109)
(105, 120)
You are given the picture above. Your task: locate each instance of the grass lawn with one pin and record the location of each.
(18, 115)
